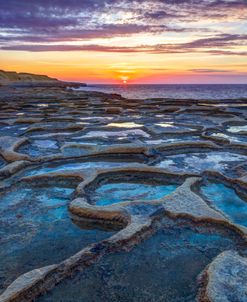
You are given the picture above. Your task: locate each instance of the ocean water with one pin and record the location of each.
(209, 92)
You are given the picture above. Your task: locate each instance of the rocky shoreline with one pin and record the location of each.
(132, 172)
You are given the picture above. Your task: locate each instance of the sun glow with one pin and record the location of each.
(124, 79)
(154, 42)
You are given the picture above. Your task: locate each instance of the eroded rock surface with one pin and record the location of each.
(225, 279)
(130, 193)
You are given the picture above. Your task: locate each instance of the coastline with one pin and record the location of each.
(22, 79)
(108, 138)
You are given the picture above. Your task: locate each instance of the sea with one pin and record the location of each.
(176, 91)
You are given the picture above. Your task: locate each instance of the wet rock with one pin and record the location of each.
(121, 167)
(8, 145)
(12, 168)
(18, 290)
(225, 279)
(184, 202)
(225, 199)
(113, 110)
(108, 215)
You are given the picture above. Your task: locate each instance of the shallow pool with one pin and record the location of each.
(13, 130)
(74, 166)
(162, 268)
(201, 161)
(119, 192)
(36, 230)
(40, 148)
(2, 162)
(226, 200)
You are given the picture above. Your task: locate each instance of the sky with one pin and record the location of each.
(116, 41)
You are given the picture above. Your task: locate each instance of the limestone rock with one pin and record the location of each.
(225, 279)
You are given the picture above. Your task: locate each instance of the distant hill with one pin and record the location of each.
(9, 77)
(28, 79)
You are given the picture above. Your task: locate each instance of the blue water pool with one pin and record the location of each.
(36, 229)
(226, 200)
(70, 166)
(119, 192)
(163, 268)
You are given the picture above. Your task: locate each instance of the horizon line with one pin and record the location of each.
(132, 84)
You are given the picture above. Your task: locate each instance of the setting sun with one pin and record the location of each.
(124, 79)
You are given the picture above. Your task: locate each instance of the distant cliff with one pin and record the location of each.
(7, 77)
(29, 79)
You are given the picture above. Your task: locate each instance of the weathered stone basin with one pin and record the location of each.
(120, 134)
(237, 129)
(123, 191)
(13, 130)
(163, 128)
(124, 125)
(231, 138)
(47, 135)
(2, 162)
(162, 268)
(36, 229)
(129, 186)
(198, 162)
(226, 200)
(38, 148)
(173, 139)
(77, 165)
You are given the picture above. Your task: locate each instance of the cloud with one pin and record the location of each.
(209, 45)
(210, 70)
(101, 31)
(40, 47)
(162, 14)
(38, 25)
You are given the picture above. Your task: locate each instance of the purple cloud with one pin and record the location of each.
(196, 46)
(210, 70)
(50, 21)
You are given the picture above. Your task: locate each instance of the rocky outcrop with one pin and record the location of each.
(7, 77)
(29, 79)
(7, 148)
(16, 291)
